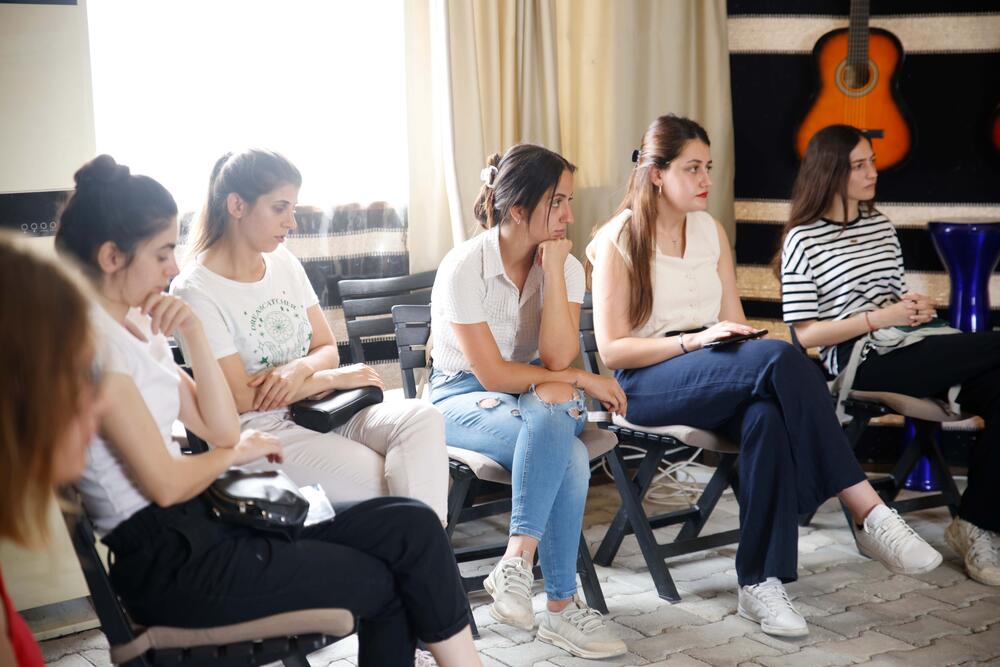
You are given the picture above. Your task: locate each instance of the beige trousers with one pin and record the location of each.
(394, 448)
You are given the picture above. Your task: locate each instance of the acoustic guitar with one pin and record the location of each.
(858, 71)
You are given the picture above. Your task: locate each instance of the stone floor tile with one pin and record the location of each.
(977, 616)
(70, 660)
(938, 654)
(98, 657)
(831, 580)
(708, 587)
(338, 663)
(817, 635)
(826, 557)
(962, 593)
(923, 630)
(840, 600)
(343, 650)
(814, 540)
(679, 660)
(950, 572)
(850, 623)
(637, 603)
(527, 653)
(810, 656)
(489, 638)
(490, 661)
(54, 649)
(702, 636)
(909, 606)
(986, 644)
(892, 588)
(713, 609)
(864, 646)
(735, 652)
(701, 568)
(664, 619)
(627, 660)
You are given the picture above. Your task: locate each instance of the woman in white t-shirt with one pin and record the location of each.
(664, 290)
(266, 327)
(386, 560)
(505, 316)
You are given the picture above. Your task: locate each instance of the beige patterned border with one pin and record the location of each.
(901, 214)
(945, 33)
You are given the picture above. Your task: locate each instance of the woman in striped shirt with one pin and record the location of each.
(842, 278)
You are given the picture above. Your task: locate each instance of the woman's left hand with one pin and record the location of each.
(275, 387)
(923, 306)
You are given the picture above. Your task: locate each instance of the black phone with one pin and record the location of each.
(736, 339)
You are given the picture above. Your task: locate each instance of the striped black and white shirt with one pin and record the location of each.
(831, 271)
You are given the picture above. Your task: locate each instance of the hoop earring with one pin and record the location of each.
(659, 190)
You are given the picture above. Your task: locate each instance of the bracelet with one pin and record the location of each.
(680, 339)
(868, 321)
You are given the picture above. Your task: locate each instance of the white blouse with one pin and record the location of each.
(687, 291)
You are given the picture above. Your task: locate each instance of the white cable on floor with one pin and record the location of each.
(672, 481)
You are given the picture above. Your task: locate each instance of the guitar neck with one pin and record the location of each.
(857, 36)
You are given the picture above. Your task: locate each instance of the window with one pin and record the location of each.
(177, 83)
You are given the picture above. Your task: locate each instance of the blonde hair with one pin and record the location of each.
(46, 350)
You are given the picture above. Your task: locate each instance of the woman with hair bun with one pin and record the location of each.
(665, 303)
(505, 315)
(386, 560)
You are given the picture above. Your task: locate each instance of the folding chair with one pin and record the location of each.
(926, 415)
(470, 469)
(656, 442)
(287, 637)
(372, 298)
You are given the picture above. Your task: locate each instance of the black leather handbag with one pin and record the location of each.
(267, 500)
(326, 414)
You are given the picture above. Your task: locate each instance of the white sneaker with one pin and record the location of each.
(979, 548)
(581, 631)
(510, 585)
(424, 658)
(767, 603)
(888, 539)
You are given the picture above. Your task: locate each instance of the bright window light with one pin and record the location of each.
(177, 83)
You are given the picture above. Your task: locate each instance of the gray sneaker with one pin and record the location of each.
(510, 585)
(767, 603)
(887, 538)
(581, 631)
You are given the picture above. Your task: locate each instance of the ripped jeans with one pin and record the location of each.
(538, 443)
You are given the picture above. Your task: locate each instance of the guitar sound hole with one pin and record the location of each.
(854, 83)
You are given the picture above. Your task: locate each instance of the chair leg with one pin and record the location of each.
(472, 619)
(458, 494)
(618, 529)
(950, 490)
(295, 660)
(639, 524)
(588, 578)
(709, 498)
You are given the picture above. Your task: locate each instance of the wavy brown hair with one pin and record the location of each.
(46, 351)
(822, 179)
(664, 140)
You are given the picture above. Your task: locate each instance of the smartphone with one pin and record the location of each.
(736, 339)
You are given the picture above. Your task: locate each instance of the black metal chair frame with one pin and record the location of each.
(413, 327)
(631, 517)
(290, 650)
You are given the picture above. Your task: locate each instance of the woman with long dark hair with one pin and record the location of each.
(664, 291)
(505, 316)
(843, 281)
(386, 560)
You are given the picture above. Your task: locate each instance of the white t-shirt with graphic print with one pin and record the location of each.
(264, 321)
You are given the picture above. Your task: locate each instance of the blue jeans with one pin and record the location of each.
(773, 401)
(549, 465)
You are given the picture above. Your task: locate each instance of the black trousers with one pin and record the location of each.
(928, 369)
(387, 560)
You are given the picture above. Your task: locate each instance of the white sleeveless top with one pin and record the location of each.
(687, 291)
(109, 493)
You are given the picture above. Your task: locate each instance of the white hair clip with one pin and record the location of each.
(488, 175)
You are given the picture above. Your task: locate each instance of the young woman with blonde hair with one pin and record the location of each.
(49, 406)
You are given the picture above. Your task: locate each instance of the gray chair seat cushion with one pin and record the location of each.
(335, 622)
(597, 441)
(928, 409)
(693, 437)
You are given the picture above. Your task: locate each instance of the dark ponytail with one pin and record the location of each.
(520, 178)
(110, 204)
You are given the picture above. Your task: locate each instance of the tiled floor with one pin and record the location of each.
(859, 613)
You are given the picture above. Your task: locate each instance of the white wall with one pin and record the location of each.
(46, 106)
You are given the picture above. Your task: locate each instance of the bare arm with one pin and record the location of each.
(207, 408)
(912, 310)
(165, 480)
(511, 377)
(612, 296)
(311, 375)
(560, 318)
